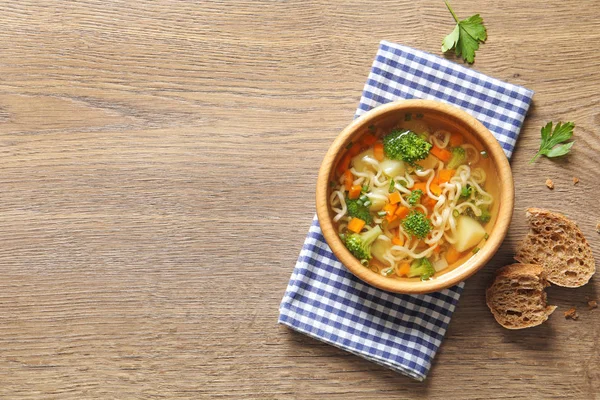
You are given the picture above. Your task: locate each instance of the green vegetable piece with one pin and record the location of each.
(485, 214)
(416, 224)
(553, 142)
(392, 184)
(357, 209)
(349, 145)
(406, 146)
(421, 267)
(359, 244)
(407, 116)
(419, 116)
(372, 128)
(466, 191)
(465, 37)
(459, 157)
(476, 250)
(414, 197)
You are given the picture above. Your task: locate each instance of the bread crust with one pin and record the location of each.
(517, 298)
(558, 245)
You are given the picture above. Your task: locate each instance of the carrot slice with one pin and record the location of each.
(354, 192)
(344, 164)
(452, 255)
(391, 218)
(398, 240)
(445, 175)
(354, 150)
(378, 151)
(402, 212)
(390, 209)
(442, 154)
(428, 202)
(420, 185)
(394, 198)
(404, 269)
(348, 179)
(435, 189)
(356, 225)
(369, 139)
(456, 139)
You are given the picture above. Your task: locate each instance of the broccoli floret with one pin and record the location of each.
(406, 146)
(416, 224)
(414, 197)
(421, 267)
(459, 157)
(359, 210)
(359, 244)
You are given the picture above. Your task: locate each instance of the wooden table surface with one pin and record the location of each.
(157, 171)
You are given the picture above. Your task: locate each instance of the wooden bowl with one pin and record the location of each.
(444, 115)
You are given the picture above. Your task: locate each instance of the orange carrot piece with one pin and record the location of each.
(394, 198)
(354, 150)
(348, 179)
(404, 269)
(344, 164)
(369, 139)
(420, 185)
(435, 189)
(442, 154)
(437, 249)
(390, 209)
(391, 218)
(402, 212)
(452, 255)
(356, 225)
(398, 241)
(354, 192)
(445, 175)
(428, 202)
(456, 139)
(378, 151)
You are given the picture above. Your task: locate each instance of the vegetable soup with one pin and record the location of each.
(414, 199)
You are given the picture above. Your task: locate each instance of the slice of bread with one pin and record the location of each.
(557, 244)
(517, 297)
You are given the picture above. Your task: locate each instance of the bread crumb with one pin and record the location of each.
(571, 314)
(592, 304)
(549, 183)
(575, 180)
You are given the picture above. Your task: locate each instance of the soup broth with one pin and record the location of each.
(413, 199)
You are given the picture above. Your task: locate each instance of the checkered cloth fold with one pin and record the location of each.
(323, 299)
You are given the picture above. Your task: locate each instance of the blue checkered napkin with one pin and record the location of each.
(323, 299)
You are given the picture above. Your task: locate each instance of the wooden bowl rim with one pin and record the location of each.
(460, 273)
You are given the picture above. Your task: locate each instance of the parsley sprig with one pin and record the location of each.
(465, 37)
(554, 142)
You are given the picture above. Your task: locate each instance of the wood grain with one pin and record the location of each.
(158, 162)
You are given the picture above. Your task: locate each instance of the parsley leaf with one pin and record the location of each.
(553, 142)
(465, 37)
